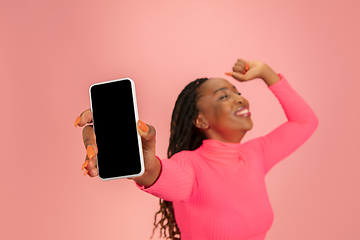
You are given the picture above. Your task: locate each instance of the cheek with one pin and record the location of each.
(222, 110)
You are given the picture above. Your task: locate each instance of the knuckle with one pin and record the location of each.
(93, 172)
(87, 128)
(151, 131)
(88, 133)
(237, 68)
(86, 112)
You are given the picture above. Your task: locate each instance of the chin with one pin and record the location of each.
(248, 126)
(251, 126)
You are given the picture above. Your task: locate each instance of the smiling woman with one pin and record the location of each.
(223, 108)
(212, 186)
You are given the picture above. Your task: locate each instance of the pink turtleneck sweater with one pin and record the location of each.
(218, 190)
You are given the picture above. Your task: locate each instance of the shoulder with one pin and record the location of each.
(254, 145)
(185, 158)
(185, 155)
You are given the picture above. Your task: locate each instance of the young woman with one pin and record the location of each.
(212, 186)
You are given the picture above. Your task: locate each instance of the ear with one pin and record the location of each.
(201, 122)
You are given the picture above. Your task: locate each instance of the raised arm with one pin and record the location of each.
(289, 136)
(301, 123)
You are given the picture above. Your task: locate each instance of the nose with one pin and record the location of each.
(239, 99)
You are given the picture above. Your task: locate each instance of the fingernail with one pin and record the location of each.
(228, 73)
(77, 120)
(85, 164)
(246, 66)
(90, 151)
(85, 172)
(143, 127)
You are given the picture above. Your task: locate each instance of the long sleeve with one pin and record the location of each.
(218, 190)
(286, 138)
(176, 179)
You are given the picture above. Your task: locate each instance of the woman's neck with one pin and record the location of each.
(234, 137)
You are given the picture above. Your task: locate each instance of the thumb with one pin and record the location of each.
(238, 76)
(147, 134)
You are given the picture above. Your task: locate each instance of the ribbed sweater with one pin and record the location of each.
(218, 190)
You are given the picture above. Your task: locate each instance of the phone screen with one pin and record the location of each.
(114, 109)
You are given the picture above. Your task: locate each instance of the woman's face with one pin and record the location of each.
(223, 113)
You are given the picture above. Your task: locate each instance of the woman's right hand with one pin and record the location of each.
(147, 133)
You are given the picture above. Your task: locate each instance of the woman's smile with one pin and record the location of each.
(243, 112)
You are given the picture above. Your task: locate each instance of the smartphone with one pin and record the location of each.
(115, 115)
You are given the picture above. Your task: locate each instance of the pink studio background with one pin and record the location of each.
(52, 51)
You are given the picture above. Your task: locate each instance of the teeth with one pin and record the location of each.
(242, 112)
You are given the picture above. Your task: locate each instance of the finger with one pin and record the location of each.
(242, 67)
(238, 76)
(241, 61)
(246, 66)
(85, 164)
(90, 167)
(89, 139)
(84, 118)
(240, 64)
(92, 173)
(90, 163)
(147, 134)
(238, 68)
(143, 127)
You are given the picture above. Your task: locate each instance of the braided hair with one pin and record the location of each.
(183, 136)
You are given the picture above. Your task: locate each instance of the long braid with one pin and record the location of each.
(183, 136)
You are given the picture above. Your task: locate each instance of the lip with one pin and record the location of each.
(248, 114)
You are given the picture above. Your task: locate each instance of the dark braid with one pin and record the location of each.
(183, 136)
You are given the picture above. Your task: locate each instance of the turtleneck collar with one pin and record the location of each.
(214, 149)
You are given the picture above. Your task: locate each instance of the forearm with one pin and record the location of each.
(294, 106)
(301, 124)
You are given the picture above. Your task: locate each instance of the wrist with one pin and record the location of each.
(153, 167)
(150, 175)
(269, 76)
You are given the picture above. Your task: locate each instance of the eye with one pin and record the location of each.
(223, 96)
(238, 93)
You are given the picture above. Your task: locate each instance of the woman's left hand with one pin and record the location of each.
(248, 70)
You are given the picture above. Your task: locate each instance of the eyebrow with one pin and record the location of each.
(224, 88)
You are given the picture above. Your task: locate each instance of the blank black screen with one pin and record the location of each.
(115, 129)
